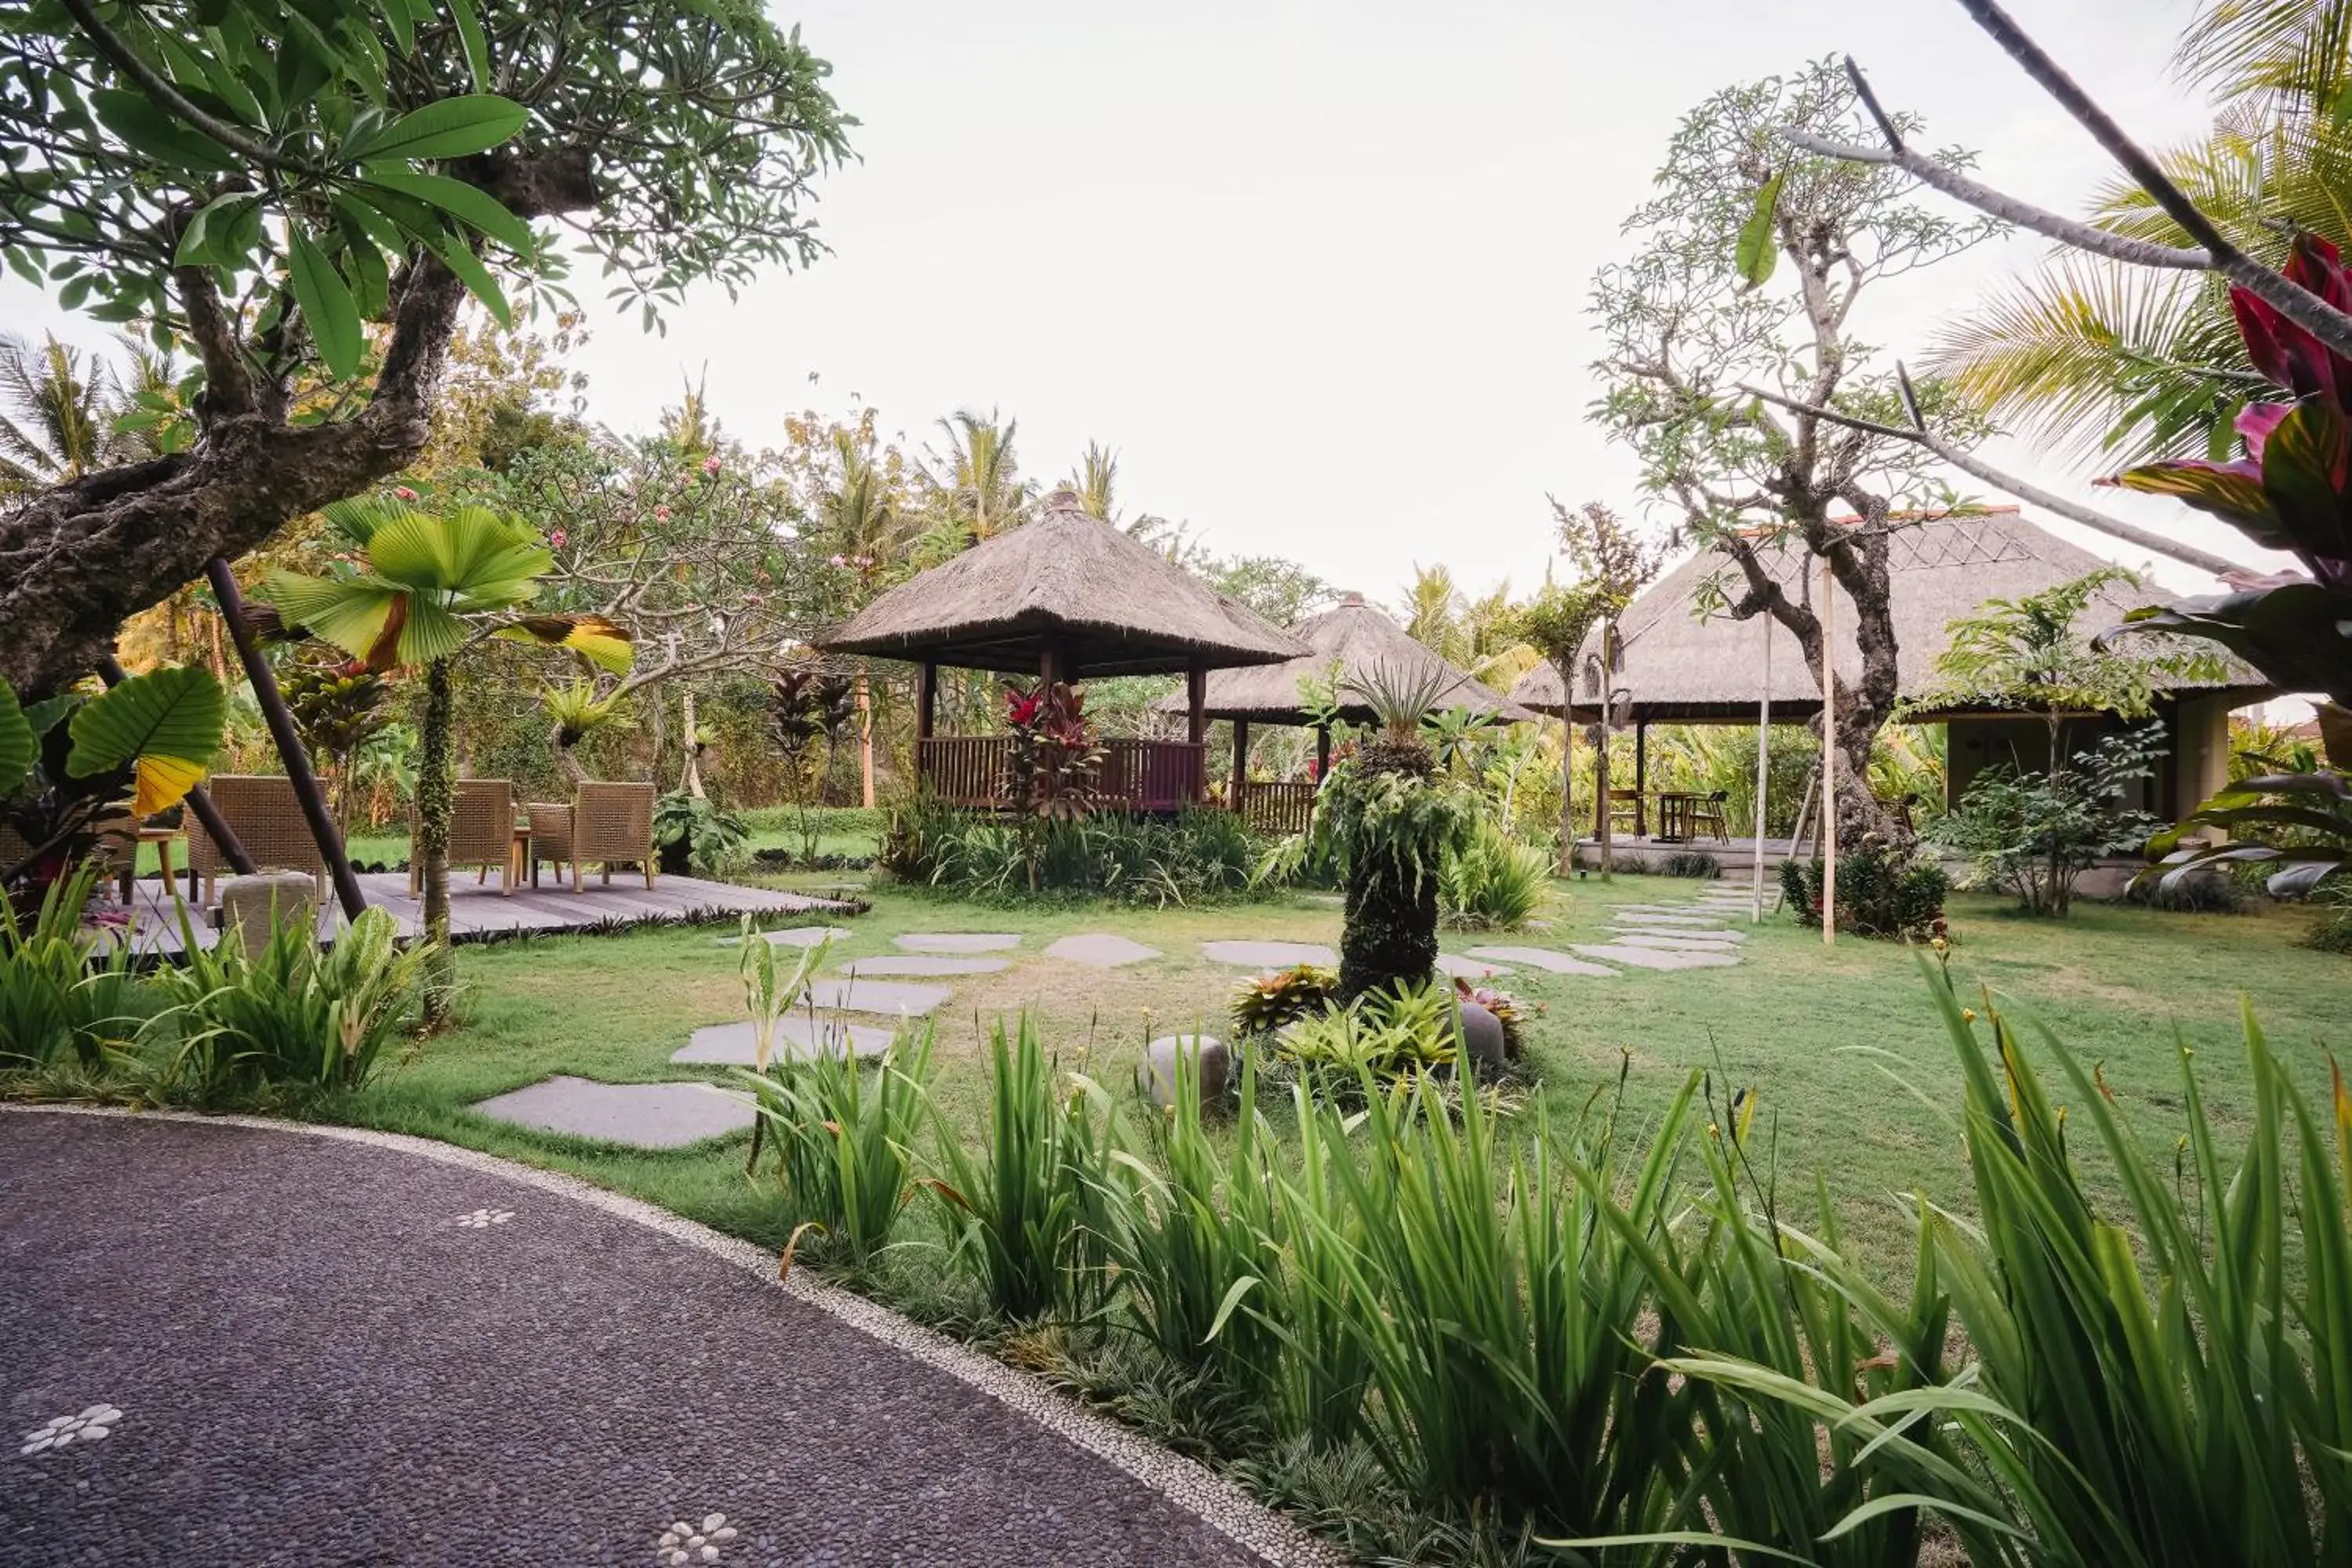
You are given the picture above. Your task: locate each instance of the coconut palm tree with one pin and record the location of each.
(2103, 361)
(986, 492)
(1094, 482)
(430, 586)
(56, 414)
(1433, 614)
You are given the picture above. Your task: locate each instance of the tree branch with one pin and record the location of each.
(155, 85)
(1918, 433)
(228, 380)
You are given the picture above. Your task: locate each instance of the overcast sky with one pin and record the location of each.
(1318, 271)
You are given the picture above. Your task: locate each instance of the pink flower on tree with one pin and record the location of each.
(402, 493)
(711, 465)
(556, 539)
(661, 513)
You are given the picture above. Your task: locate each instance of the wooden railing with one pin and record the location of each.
(1285, 807)
(975, 772)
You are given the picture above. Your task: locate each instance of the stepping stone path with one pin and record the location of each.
(925, 964)
(1100, 950)
(732, 1045)
(645, 1115)
(799, 936)
(1455, 967)
(1691, 942)
(956, 940)
(1269, 954)
(1702, 933)
(1541, 958)
(1642, 918)
(857, 995)
(1654, 958)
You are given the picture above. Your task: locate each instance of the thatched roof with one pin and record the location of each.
(1113, 604)
(1355, 640)
(1678, 665)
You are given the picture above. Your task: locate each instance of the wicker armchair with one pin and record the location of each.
(262, 811)
(550, 839)
(613, 823)
(481, 833)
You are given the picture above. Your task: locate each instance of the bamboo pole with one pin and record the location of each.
(1763, 771)
(1829, 755)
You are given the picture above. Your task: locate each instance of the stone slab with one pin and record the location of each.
(1540, 958)
(1454, 966)
(1715, 933)
(1100, 950)
(798, 1035)
(925, 964)
(799, 936)
(893, 998)
(643, 1115)
(1679, 942)
(1644, 917)
(1654, 958)
(956, 940)
(1270, 954)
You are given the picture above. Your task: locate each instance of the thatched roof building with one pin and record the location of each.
(1069, 594)
(1679, 666)
(1352, 640)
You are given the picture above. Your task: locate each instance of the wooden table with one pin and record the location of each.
(161, 839)
(1675, 808)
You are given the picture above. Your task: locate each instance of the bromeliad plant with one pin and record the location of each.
(429, 587)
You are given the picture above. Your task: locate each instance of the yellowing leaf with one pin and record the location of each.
(162, 783)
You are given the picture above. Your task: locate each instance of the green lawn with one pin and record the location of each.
(1811, 1029)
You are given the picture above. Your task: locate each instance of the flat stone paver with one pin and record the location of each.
(956, 940)
(1676, 944)
(1100, 950)
(799, 936)
(1270, 954)
(405, 1363)
(796, 1035)
(1541, 958)
(1644, 917)
(648, 1115)
(925, 964)
(1654, 958)
(858, 995)
(1454, 966)
(1710, 932)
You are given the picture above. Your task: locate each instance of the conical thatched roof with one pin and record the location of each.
(1355, 640)
(1115, 606)
(1680, 667)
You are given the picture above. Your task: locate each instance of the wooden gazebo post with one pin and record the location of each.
(927, 702)
(1196, 724)
(1241, 765)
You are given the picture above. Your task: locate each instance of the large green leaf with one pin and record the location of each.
(599, 641)
(1757, 254)
(147, 129)
(459, 259)
(2299, 635)
(448, 128)
(473, 552)
(2233, 496)
(18, 745)
(165, 725)
(326, 305)
(2306, 473)
(474, 208)
(362, 615)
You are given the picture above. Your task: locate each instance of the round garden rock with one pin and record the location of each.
(1482, 1037)
(956, 940)
(1156, 1075)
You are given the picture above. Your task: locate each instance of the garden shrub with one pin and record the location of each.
(1882, 892)
(692, 836)
(1696, 863)
(2034, 834)
(1191, 856)
(295, 1014)
(58, 996)
(1492, 882)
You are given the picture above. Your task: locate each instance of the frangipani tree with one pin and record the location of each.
(428, 586)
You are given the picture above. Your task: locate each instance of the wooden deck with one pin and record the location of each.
(477, 912)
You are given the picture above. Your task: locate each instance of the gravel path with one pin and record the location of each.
(327, 1352)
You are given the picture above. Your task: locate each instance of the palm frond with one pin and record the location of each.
(2291, 49)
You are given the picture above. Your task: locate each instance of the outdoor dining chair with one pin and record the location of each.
(608, 822)
(261, 809)
(1707, 816)
(481, 833)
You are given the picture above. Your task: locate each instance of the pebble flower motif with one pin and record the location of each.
(682, 1545)
(482, 1219)
(64, 1431)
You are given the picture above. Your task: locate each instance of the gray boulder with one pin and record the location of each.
(247, 904)
(1481, 1034)
(1156, 1075)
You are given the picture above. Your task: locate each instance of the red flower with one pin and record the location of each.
(1021, 707)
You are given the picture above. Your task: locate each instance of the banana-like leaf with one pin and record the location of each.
(18, 744)
(2298, 635)
(165, 725)
(595, 638)
(2230, 492)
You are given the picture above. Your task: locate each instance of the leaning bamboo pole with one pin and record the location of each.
(1763, 771)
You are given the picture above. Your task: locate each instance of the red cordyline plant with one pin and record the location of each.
(2291, 491)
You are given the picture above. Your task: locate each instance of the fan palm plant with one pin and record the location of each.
(431, 586)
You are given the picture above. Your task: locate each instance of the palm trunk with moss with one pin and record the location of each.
(1391, 934)
(435, 800)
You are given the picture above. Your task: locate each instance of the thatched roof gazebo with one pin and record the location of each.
(1678, 666)
(1063, 597)
(1347, 645)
